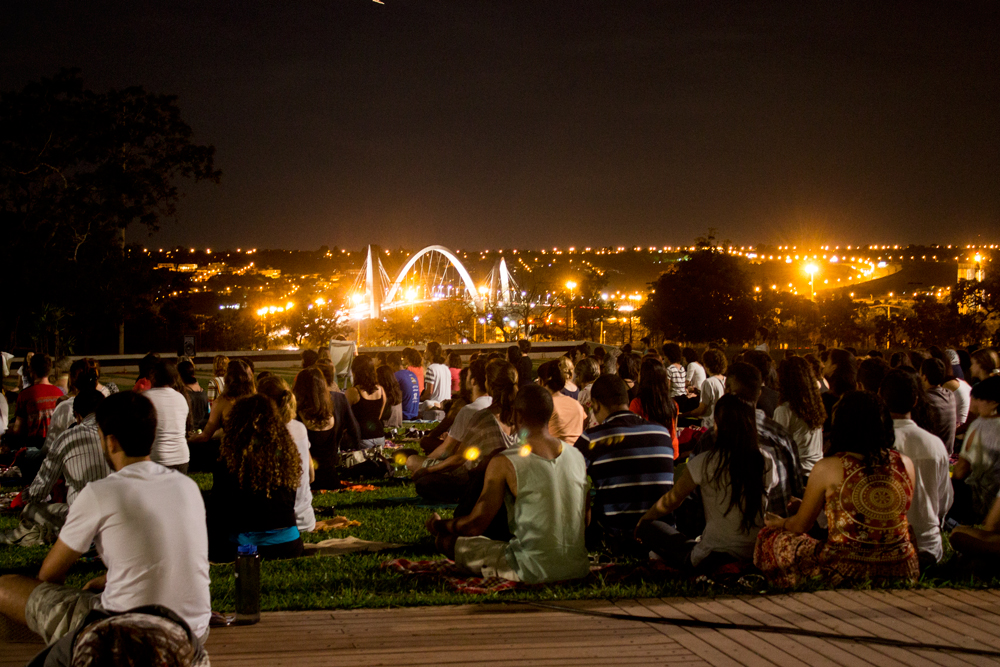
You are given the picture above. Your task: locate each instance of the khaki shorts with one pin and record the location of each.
(53, 610)
(484, 557)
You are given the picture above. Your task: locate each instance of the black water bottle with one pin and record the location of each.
(247, 585)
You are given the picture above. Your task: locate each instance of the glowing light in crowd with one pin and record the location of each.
(525, 451)
(471, 454)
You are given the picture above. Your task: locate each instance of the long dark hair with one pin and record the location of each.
(551, 376)
(800, 389)
(386, 380)
(739, 461)
(501, 378)
(862, 425)
(363, 370)
(313, 396)
(654, 392)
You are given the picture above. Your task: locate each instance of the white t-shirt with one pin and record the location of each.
(305, 517)
(932, 495)
(170, 447)
(963, 398)
(696, 375)
(440, 376)
(712, 390)
(465, 415)
(808, 441)
(722, 531)
(4, 413)
(148, 523)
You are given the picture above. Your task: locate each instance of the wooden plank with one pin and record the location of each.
(735, 652)
(879, 655)
(829, 651)
(689, 640)
(921, 607)
(849, 653)
(985, 621)
(985, 608)
(906, 627)
(740, 645)
(783, 650)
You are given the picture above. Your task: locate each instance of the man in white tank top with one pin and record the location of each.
(543, 484)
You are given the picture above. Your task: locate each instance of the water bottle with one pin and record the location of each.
(247, 584)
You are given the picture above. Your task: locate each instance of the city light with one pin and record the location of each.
(320, 301)
(571, 285)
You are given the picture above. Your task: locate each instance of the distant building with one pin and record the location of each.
(970, 271)
(187, 268)
(270, 273)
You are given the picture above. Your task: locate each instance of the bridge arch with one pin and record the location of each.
(470, 286)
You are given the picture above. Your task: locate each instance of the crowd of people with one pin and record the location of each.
(831, 465)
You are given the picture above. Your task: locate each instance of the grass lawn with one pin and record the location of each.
(388, 514)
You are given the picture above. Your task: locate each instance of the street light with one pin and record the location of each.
(570, 285)
(811, 269)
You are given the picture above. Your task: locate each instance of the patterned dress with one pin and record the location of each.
(868, 538)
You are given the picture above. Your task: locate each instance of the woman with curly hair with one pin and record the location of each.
(277, 390)
(801, 409)
(255, 481)
(865, 487)
(315, 408)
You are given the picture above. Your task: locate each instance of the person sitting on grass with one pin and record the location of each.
(866, 487)
(734, 478)
(630, 462)
(316, 411)
(980, 544)
(481, 399)
(408, 385)
(239, 382)
(255, 484)
(976, 476)
(932, 494)
(277, 390)
(488, 431)
(711, 389)
(568, 416)
(148, 523)
(170, 448)
(76, 456)
(543, 485)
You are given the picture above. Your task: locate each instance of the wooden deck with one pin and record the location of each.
(515, 634)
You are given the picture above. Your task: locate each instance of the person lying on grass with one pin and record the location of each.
(544, 487)
(148, 523)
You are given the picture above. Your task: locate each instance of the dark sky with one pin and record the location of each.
(493, 124)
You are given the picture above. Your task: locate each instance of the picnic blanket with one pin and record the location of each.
(336, 523)
(345, 545)
(462, 582)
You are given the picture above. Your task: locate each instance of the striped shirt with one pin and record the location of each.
(77, 456)
(631, 464)
(678, 380)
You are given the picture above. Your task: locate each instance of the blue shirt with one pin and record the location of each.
(631, 464)
(410, 388)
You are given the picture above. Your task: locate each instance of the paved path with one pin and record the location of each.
(515, 634)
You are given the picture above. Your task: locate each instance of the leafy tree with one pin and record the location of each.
(449, 320)
(843, 322)
(76, 169)
(707, 297)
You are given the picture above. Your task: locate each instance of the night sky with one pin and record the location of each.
(492, 124)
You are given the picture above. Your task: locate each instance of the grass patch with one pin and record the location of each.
(391, 514)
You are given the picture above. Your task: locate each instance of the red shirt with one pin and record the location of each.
(419, 372)
(34, 406)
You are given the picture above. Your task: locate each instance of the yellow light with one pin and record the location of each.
(471, 454)
(357, 298)
(525, 451)
(271, 309)
(979, 258)
(289, 305)
(400, 459)
(570, 284)
(483, 289)
(411, 294)
(321, 301)
(262, 312)
(811, 269)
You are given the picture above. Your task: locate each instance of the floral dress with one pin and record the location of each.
(868, 533)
